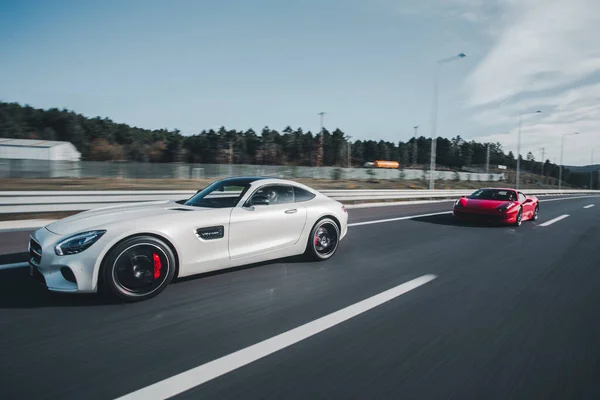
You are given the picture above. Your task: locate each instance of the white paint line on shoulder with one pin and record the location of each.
(15, 265)
(197, 376)
(589, 206)
(379, 221)
(24, 224)
(548, 223)
(568, 198)
(396, 203)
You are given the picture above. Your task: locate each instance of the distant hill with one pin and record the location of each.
(583, 168)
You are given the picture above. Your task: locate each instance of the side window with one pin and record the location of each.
(277, 194)
(521, 197)
(301, 195)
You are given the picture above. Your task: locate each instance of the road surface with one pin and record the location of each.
(511, 313)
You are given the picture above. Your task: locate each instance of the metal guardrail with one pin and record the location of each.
(13, 202)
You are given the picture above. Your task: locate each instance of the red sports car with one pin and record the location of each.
(507, 206)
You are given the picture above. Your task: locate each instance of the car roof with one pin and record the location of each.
(240, 180)
(251, 180)
(499, 188)
(247, 180)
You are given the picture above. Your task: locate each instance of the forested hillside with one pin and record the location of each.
(102, 139)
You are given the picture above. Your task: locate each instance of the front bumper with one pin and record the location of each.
(73, 273)
(490, 217)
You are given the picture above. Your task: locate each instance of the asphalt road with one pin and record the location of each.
(512, 314)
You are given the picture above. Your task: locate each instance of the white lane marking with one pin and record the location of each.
(14, 265)
(396, 203)
(197, 376)
(547, 223)
(568, 198)
(589, 206)
(25, 223)
(379, 221)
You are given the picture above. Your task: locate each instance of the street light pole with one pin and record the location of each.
(519, 148)
(434, 115)
(562, 146)
(415, 150)
(349, 151)
(320, 149)
(591, 168)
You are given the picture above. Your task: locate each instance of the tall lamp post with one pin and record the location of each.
(434, 114)
(519, 147)
(562, 146)
(415, 150)
(591, 167)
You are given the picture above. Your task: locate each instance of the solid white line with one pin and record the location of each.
(396, 203)
(589, 206)
(213, 369)
(24, 224)
(379, 221)
(547, 223)
(567, 198)
(15, 265)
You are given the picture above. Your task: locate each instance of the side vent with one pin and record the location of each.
(180, 209)
(211, 232)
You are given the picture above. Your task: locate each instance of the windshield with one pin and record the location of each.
(494, 194)
(220, 194)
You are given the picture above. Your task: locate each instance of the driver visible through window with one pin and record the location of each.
(276, 194)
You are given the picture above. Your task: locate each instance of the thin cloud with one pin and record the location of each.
(543, 45)
(542, 49)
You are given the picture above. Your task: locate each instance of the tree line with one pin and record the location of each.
(101, 139)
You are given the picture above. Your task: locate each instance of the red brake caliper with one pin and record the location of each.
(316, 239)
(157, 265)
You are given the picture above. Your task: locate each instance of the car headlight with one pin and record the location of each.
(457, 203)
(77, 243)
(505, 207)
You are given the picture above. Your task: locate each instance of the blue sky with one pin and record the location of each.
(368, 64)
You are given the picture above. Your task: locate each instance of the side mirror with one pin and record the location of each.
(259, 201)
(528, 200)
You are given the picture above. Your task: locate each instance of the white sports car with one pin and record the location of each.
(132, 252)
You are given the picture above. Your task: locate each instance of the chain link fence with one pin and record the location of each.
(23, 169)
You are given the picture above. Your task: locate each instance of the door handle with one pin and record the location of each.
(292, 211)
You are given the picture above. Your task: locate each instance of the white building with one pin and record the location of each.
(28, 149)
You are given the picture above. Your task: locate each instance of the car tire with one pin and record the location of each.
(536, 212)
(137, 269)
(519, 218)
(323, 240)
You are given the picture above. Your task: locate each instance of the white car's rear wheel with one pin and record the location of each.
(137, 269)
(323, 240)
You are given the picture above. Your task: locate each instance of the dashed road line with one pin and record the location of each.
(552, 221)
(589, 206)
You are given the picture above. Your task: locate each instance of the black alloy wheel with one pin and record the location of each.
(138, 269)
(323, 240)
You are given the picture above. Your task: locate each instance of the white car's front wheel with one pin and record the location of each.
(323, 240)
(137, 269)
